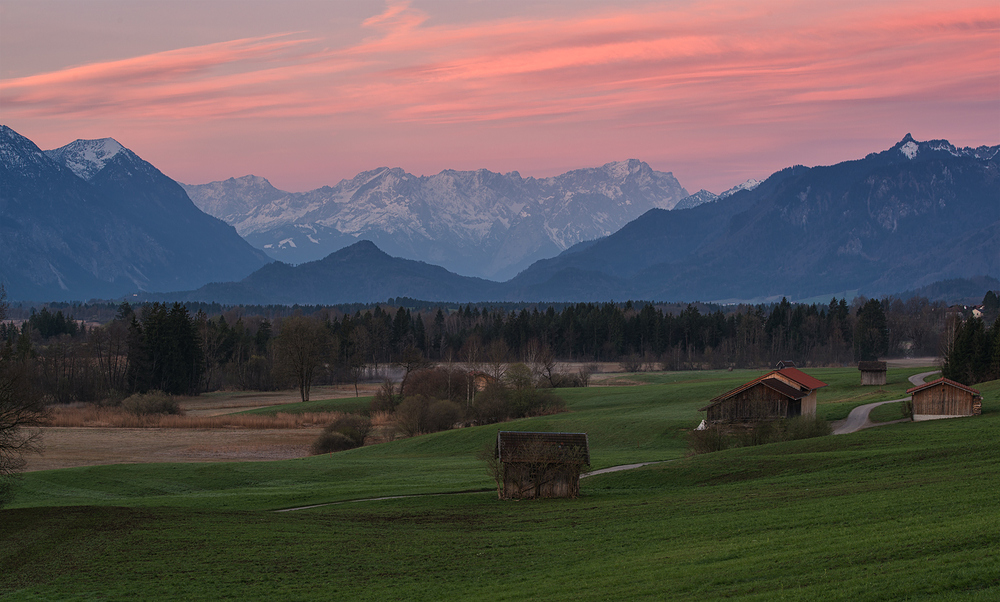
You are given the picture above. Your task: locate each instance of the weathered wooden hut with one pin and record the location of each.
(872, 373)
(541, 465)
(944, 398)
(784, 393)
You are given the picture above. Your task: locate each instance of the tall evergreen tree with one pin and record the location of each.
(871, 333)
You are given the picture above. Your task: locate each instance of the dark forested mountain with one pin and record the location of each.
(92, 219)
(917, 213)
(471, 222)
(360, 273)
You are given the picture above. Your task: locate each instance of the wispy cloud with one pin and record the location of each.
(583, 65)
(704, 64)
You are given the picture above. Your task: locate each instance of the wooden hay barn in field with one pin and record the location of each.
(541, 465)
(944, 398)
(784, 393)
(873, 373)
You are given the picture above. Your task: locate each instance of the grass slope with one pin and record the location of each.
(902, 511)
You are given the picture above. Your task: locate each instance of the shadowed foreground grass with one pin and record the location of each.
(907, 511)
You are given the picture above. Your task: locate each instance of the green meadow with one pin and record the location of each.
(902, 511)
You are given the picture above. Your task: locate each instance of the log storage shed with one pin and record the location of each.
(784, 393)
(872, 373)
(541, 465)
(944, 398)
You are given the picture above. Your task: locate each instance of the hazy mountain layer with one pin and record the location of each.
(471, 222)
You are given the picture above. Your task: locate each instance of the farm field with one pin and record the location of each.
(906, 510)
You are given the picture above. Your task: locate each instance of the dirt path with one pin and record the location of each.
(858, 418)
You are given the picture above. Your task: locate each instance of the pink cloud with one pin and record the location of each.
(684, 69)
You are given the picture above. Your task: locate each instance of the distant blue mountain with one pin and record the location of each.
(917, 213)
(92, 219)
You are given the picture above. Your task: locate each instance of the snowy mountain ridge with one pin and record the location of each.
(478, 223)
(86, 158)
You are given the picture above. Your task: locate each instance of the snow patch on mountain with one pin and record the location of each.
(909, 149)
(86, 158)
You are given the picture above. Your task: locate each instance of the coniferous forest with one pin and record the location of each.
(193, 348)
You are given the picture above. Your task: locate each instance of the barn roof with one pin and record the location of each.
(771, 383)
(801, 377)
(942, 381)
(873, 366)
(556, 448)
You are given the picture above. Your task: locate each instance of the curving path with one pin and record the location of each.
(397, 497)
(858, 418)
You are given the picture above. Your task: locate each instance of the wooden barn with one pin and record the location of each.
(784, 393)
(541, 465)
(873, 373)
(944, 398)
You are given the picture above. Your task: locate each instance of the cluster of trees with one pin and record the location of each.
(974, 355)
(160, 347)
(432, 399)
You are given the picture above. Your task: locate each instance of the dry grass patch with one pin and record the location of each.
(111, 417)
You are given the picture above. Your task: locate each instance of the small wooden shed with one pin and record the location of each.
(541, 465)
(873, 373)
(784, 393)
(944, 398)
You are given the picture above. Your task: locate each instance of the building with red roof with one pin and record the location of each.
(784, 393)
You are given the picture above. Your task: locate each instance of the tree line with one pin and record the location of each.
(155, 346)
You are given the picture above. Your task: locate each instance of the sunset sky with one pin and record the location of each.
(307, 93)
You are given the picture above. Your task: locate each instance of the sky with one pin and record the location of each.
(308, 93)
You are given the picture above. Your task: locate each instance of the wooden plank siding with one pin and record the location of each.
(541, 465)
(759, 402)
(944, 398)
(872, 373)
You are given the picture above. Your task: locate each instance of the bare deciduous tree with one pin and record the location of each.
(300, 348)
(21, 411)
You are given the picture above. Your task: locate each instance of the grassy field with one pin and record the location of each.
(905, 511)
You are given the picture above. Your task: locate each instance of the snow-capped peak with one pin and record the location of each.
(748, 185)
(909, 149)
(86, 158)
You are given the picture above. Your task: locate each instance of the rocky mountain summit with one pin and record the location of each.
(92, 219)
(476, 223)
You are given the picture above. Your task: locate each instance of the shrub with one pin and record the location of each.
(491, 405)
(711, 439)
(631, 363)
(154, 402)
(805, 427)
(332, 441)
(354, 427)
(441, 415)
(718, 437)
(410, 415)
(385, 399)
(437, 383)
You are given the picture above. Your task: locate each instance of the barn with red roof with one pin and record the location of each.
(784, 393)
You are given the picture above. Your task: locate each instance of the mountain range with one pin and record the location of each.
(476, 223)
(914, 214)
(92, 219)
(902, 218)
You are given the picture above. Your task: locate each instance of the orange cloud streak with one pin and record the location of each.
(710, 63)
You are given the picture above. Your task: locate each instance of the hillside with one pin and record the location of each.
(860, 515)
(92, 219)
(917, 213)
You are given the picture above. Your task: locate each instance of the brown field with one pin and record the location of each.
(66, 447)
(203, 434)
(206, 434)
